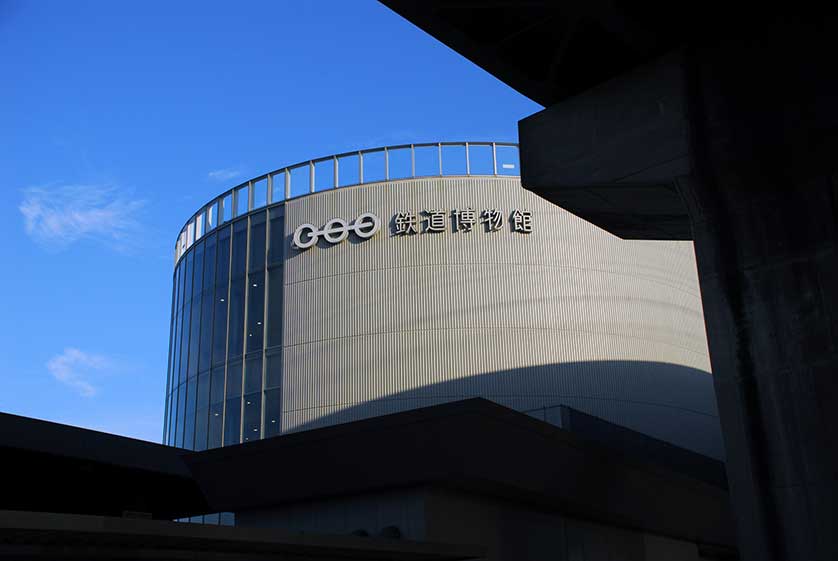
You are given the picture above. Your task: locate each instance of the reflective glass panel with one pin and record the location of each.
(241, 201)
(212, 216)
(205, 350)
(324, 175)
(234, 380)
(220, 300)
(400, 166)
(181, 404)
(232, 421)
(299, 180)
(454, 160)
(195, 322)
(187, 313)
(255, 310)
(260, 193)
(273, 399)
(189, 423)
(173, 417)
(480, 159)
(235, 340)
(278, 187)
(227, 208)
(203, 390)
(277, 236)
(427, 160)
(373, 166)
(273, 371)
(201, 427)
(508, 160)
(258, 228)
(348, 170)
(275, 296)
(217, 385)
(216, 419)
(253, 375)
(239, 260)
(252, 427)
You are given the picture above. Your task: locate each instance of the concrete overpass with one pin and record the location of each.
(717, 124)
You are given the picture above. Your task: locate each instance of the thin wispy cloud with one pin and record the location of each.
(77, 370)
(61, 215)
(224, 174)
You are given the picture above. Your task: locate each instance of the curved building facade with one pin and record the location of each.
(373, 282)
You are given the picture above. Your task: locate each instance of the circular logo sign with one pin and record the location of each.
(336, 230)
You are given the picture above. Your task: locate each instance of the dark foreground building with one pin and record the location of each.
(464, 480)
(714, 122)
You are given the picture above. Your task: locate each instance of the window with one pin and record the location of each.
(324, 175)
(255, 310)
(203, 391)
(273, 407)
(202, 411)
(169, 421)
(181, 404)
(239, 260)
(480, 159)
(205, 349)
(257, 241)
(187, 313)
(234, 380)
(454, 160)
(227, 208)
(232, 421)
(400, 165)
(212, 216)
(217, 385)
(277, 236)
(189, 423)
(253, 375)
(427, 160)
(241, 201)
(299, 180)
(275, 297)
(195, 322)
(252, 427)
(373, 166)
(507, 160)
(348, 170)
(216, 418)
(220, 298)
(273, 370)
(235, 337)
(260, 193)
(278, 187)
(173, 412)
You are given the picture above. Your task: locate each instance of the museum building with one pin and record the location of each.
(379, 281)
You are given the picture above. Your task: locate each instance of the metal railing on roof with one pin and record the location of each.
(374, 165)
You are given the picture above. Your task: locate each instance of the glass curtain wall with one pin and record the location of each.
(225, 351)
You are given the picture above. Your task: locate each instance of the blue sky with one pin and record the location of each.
(119, 119)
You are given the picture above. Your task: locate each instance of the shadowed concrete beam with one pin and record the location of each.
(612, 155)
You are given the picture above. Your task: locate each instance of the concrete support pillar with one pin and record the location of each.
(746, 131)
(763, 203)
